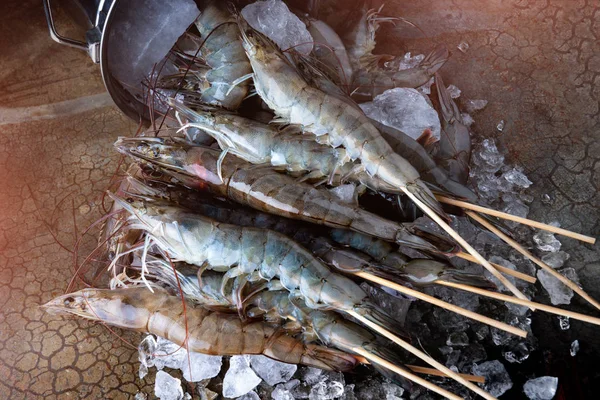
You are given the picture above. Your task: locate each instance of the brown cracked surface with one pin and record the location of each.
(537, 62)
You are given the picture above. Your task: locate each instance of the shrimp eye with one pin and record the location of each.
(68, 301)
(155, 152)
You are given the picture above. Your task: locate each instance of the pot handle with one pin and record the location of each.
(56, 36)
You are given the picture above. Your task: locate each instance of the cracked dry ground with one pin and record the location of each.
(537, 62)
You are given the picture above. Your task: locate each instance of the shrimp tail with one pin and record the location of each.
(460, 190)
(381, 350)
(436, 59)
(462, 277)
(420, 190)
(328, 358)
(436, 243)
(373, 314)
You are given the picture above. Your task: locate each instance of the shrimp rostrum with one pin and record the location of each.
(207, 331)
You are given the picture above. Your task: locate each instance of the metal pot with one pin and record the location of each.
(102, 17)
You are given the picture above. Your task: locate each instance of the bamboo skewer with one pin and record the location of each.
(440, 303)
(418, 353)
(430, 371)
(435, 372)
(504, 270)
(402, 372)
(526, 303)
(572, 285)
(464, 244)
(510, 217)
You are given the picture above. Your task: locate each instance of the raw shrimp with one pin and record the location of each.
(223, 53)
(454, 151)
(269, 191)
(279, 84)
(198, 329)
(367, 84)
(401, 143)
(261, 253)
(260, 143)
(359, 39)
(420, 272)
(330, 50)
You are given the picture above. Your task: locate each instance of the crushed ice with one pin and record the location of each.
(543, 388)
(274, 19)
(497, 381)
(240, 378)
(405, 109)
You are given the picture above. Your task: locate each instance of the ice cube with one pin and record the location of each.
(516, 208)
(546, 241)
(563, 322)
(556, 260)
(146, 350)
(543, 388)
(505, 263)
(158, 25)
(517, 178)
(574, 348)
(405, 109)
(405, 62)
(167, 387)
(558, 292)
(312, 375)
(249, 396)
(488, 157)
(159, 353)
(202, 367)
(454, 91)
(274, 19)
(280, 393)
(271, 371)
(467, 119)
(500, 125)
(168, 354)
(497, 380)
(516, 353)
(391, 391)
(326, 390)
(283, 391)
(463, 46)
(240, 378)
(475, 105)
(457, 339)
